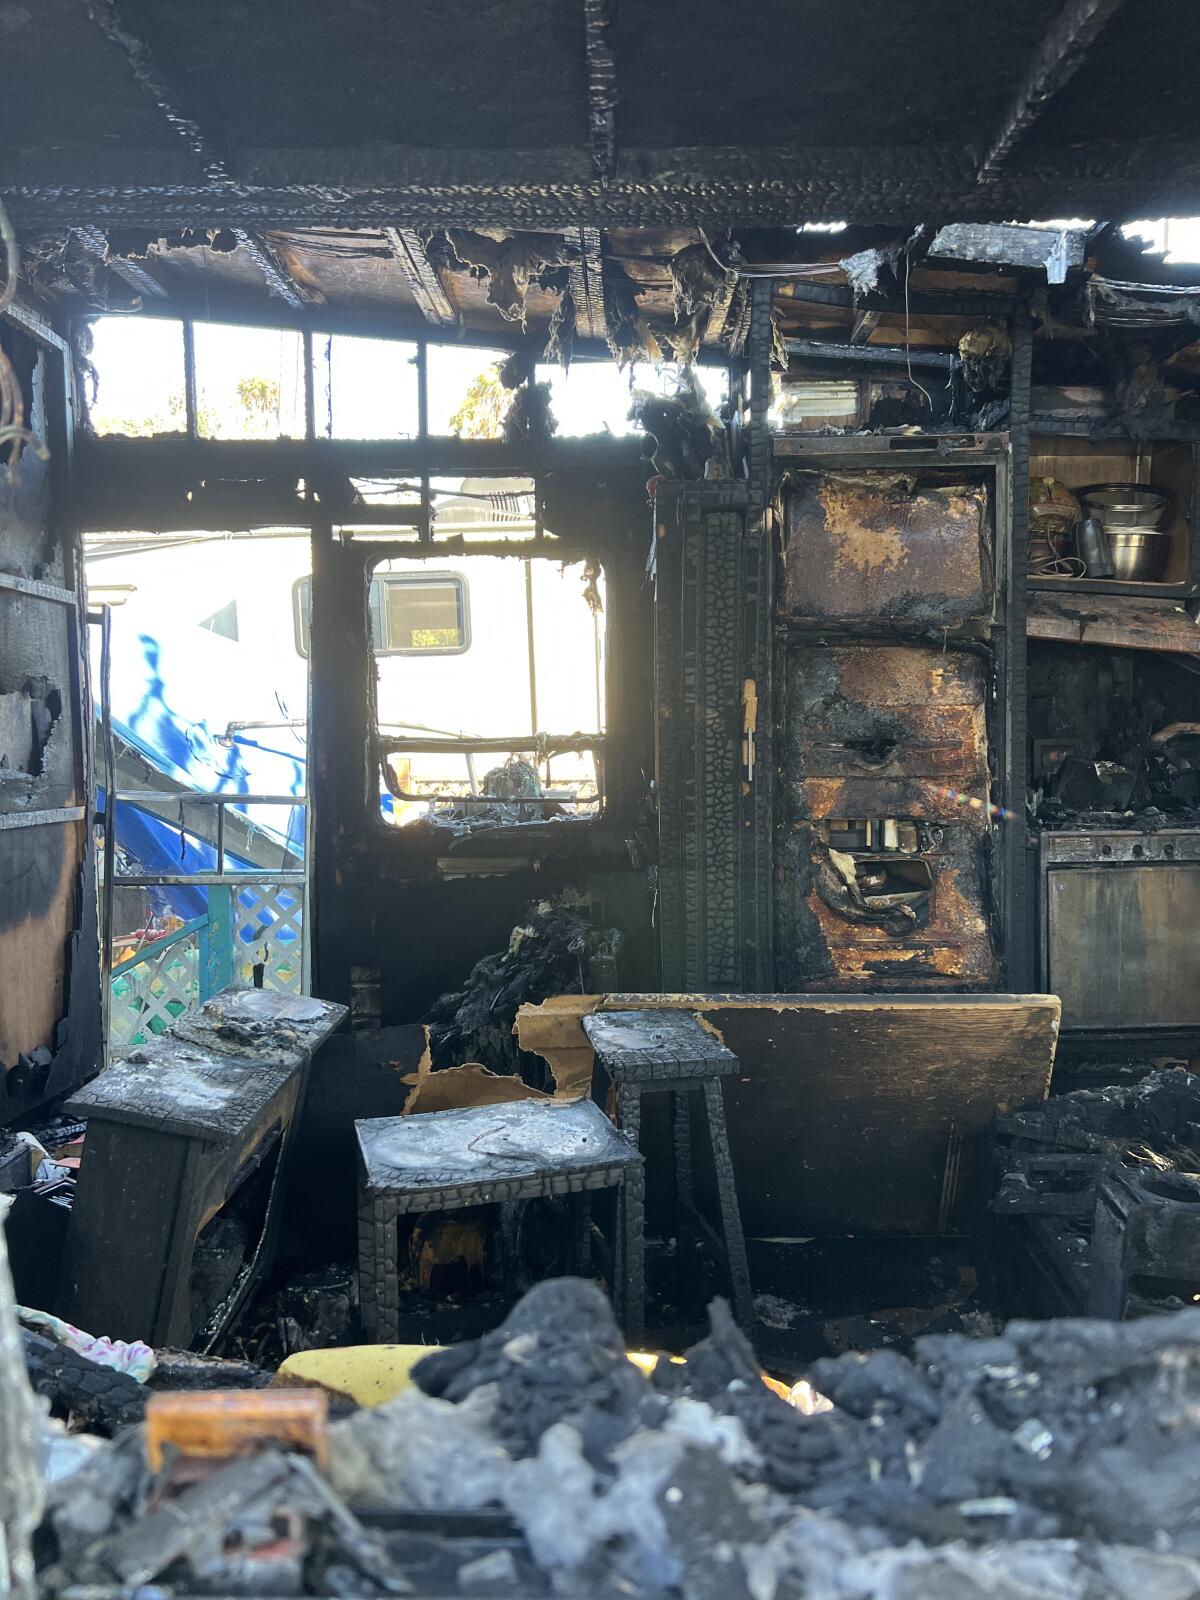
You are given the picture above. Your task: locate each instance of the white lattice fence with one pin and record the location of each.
(268, 927)
(148, 997)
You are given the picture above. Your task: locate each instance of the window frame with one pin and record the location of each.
(377, 612)
(383, 745)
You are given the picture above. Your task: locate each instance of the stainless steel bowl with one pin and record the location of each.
(1139, 554)
(1126, 505)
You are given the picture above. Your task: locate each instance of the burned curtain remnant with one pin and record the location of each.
(556, 949)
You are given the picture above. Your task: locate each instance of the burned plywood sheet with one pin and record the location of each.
(39, 870)
(854, 1114)
(883, 820)
(875, 549)
(1118, 622)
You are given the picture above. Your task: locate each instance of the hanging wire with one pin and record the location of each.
(805, 271)
(907, 340)
(12, 260)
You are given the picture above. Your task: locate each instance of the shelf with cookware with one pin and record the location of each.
(1113, 513)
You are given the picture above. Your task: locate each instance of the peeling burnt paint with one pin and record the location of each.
(883, 732)
(872, 549)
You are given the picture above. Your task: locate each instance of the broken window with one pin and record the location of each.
(596, 396)
(483, 508)
(365, 388)
(249, 382)
(465, 395)
(137, 365)
(507, 726)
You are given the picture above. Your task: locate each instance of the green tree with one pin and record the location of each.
(484, 408)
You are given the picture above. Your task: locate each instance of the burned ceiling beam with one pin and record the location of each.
(273, 268)
(865, 324)
(880, 355)
(587, 283)
(1058, 58)
(411, 257)
(716, 188)
(96, 244)
(602, 85)
(149, 78)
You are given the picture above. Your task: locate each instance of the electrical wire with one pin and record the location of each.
(805, 271)
(12, 260)
(907, 340)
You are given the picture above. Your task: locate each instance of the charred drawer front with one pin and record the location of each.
(873, 550)
(883, 818)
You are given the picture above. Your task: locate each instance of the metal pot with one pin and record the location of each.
(1126, 505)
(1139, 555)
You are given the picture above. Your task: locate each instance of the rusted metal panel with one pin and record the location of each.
(874, 549)
(885, 715)
(892, 735)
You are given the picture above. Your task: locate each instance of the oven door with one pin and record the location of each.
(1120, 919)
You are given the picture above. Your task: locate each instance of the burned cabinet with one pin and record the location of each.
(882, 868)
(884, 671)
(886, 550)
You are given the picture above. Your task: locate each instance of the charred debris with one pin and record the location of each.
(896, 715)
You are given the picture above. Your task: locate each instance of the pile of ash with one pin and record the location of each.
(1057, 1458)
(1156, 1119)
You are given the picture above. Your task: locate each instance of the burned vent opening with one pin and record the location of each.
(28, 717)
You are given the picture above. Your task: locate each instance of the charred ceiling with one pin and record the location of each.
(544, 115)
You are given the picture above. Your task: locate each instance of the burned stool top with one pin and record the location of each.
(664, 1045)
(508, 1152)
(216, 1071)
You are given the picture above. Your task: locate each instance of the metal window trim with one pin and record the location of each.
(416, 580)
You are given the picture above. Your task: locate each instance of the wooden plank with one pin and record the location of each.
(850, 1110)
(38, 869)
(1119, 622)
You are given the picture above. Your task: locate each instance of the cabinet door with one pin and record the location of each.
(884, 834)
(875, 549)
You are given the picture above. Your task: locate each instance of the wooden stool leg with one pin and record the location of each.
(633, 1207)
(582, 1203)
(378, 1269)
(731, 1220)
(681, 1105)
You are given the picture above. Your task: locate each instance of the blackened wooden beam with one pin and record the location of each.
(151, 80)
(587, 282)
(602, 85)
(96, 244)
(865, 324)
(273, 269)
(1059, 56)
(426, 286)
(557, 188)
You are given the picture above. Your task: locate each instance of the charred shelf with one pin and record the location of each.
(1077, 455)
(1050, 423)
(1152, 591)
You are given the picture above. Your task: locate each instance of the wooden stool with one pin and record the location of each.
(648, 1052)
(445, 1160)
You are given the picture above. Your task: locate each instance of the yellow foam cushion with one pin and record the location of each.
(368, 1374)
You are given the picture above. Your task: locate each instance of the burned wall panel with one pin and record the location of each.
(38, 869)
(882, 866)
(882, 550)
(49, 958)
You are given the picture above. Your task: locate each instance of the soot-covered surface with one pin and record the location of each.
(1056, 1458)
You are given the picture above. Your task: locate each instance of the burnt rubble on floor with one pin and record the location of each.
(554, 950)
(1096, 1199)
(1055, 1458)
